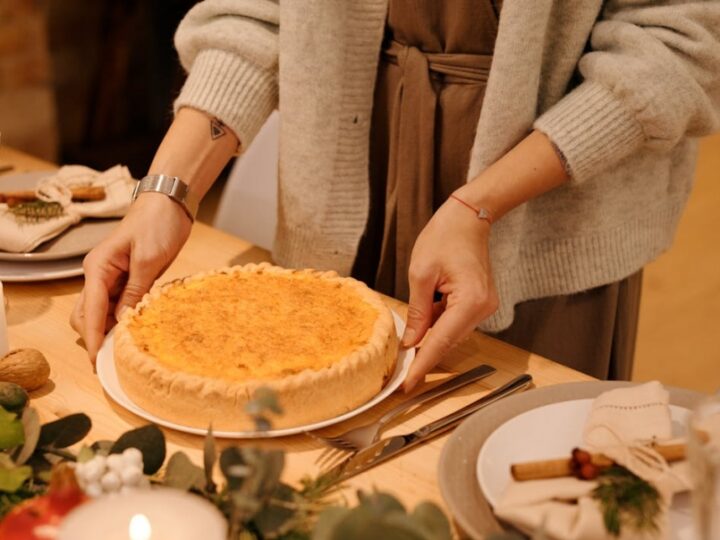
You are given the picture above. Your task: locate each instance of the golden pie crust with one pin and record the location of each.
(194, 351)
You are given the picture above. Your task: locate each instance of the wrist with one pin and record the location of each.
(173, 188)
(480, 212)
(159, 204)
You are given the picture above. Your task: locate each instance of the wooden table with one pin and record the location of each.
(38, 315)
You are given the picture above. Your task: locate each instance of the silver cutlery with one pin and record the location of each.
(387, 448)
(363, 436)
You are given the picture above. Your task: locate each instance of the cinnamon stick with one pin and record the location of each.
(79, 194)
(558, 468)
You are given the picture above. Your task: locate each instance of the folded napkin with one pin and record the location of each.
(620, 424)
(21, 235)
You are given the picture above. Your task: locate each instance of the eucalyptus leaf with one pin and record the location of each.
(181, 473)
(328, 522)
(269, 469)
(263, 400)
(31, 427)
(149, 440)
(273, 518)
(40, 467)
(432, 519)
(364, 522)
(231, 459)
(85, 454)
(11, 430)
(102, 447)
(65, 431)
(244, 504)
(209, 459)
(380, 503)
(12, 478)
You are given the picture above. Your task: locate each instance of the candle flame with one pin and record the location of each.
(140, 528)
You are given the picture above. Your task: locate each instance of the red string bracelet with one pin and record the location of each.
(481, 213)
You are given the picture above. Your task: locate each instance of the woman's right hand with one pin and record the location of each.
(123, 267)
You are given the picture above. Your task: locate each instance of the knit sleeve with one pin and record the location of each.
(230, 50)
(651, 76)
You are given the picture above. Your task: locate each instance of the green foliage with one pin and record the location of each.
(150, 440)
(13, 397)
(627, 500)
(65, 431)
(35, 211)
(181, 473)
(31, 431)
(12, 477)
(380, 515)
(264, 402)
(12, 434)
(257, 505)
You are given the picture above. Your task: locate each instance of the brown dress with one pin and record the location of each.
(430, 86)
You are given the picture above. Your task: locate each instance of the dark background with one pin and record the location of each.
(89, 81)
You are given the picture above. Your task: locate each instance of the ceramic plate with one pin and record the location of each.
(75, 241)
(552, 431)
(458, 462)
(40, 270)
(110, 382)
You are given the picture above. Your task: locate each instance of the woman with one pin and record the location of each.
(564, 167)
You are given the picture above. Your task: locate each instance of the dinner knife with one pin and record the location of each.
(389, 447)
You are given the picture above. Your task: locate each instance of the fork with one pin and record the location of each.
(363, 436)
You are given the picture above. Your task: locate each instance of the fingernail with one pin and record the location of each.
(408, 337)
(118, 312)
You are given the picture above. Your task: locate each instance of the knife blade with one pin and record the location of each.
(389, 447)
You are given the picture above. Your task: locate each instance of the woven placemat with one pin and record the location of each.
(456, 471)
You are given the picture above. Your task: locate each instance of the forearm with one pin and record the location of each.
(530, 169)
(195, 149)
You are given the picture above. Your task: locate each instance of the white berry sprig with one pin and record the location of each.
(116, 473)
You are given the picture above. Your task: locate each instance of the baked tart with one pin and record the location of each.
(194, 350)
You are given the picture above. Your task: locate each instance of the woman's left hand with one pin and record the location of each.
(450, 256)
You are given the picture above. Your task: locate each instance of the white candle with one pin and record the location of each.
(4, 344)
(153, 514)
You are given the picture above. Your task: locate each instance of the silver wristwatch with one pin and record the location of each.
(171, 186)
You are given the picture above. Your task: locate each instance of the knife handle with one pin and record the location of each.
(446, 422)
(453, 383)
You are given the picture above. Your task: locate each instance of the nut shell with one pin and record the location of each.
(27, 368)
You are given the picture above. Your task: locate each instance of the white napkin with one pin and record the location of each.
(619, 421)
(18, 235)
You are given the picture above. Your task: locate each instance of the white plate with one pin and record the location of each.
(76, 240)
(41, 270)
(552, 431)
(110, 382)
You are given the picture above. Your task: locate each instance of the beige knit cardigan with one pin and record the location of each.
(622, 87)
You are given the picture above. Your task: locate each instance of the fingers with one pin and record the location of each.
(453, 325)
(76, 317)
(143, 272)
(420, 306)
(95, 300)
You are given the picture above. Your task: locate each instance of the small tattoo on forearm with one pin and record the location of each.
(217, 129)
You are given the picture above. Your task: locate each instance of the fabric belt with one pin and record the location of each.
(409, 201)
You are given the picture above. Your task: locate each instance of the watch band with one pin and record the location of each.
(171, 186)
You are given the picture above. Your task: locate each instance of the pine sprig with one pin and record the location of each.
(35, 211)
(627, 500)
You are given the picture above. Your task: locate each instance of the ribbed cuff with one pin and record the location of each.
(592, 128)
(239, 93)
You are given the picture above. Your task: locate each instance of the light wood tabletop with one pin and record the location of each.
(38, 315)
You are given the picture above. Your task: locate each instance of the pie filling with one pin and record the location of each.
(253, 326)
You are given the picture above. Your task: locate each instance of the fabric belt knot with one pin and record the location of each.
(411, 170)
